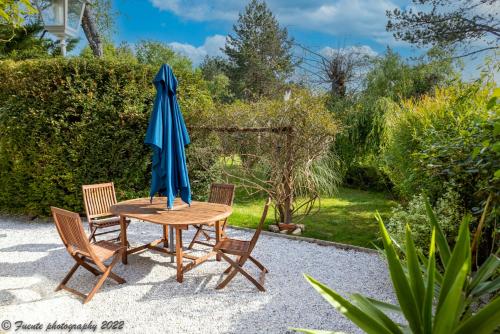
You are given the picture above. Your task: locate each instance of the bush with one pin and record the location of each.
(367, 178)
(68, 122)
(295, 166)
(449, 139)
(448, 210)
(437, 141)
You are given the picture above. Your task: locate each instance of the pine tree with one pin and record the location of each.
(259, 53)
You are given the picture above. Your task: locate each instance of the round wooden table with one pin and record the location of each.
(177, 219)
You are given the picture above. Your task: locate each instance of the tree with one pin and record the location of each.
(454, 23)
(29, 42)
(214, 71)
(213, 66)
(259, 53)
(158, 53)
(91, 32)
(122, 52)
(13, 12)
(279, 148)
(389, 80)
(337, 69)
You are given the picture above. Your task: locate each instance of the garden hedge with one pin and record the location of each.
(68, 122)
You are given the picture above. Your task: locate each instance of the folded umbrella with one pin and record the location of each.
(167, 135)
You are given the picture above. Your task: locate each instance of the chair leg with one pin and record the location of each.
(90, 268)
(237, 267)
(93, 231)
(198, 231)
(103, 278)
(229, 268)
(258, 264)
(205, 234)
(67, 277)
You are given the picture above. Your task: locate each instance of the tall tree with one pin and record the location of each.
(91, 32)
(259, 53)
(455, 23)
(158, 53)
(213, 66)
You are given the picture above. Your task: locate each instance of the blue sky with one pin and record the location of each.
(198, 27)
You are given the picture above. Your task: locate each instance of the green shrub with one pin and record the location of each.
(448, 210)
(449, 140)
(434, 142)
(432, 297)
(68, 122)
(366, 177)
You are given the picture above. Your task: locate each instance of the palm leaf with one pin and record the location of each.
(360, 318)
(365, 305)
(429, 292)
(400, 282)
(442, 243)
(448, 315)
(483, 322)
(461, 254)
(414, 272)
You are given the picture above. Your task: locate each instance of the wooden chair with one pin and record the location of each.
(69, 226)
(243, 250)
(98, 199)
(220, 194)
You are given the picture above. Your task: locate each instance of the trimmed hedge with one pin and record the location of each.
(68, 122)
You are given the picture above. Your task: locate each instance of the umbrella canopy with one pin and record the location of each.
(167, 135)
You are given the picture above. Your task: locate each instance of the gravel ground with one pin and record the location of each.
(33, 261)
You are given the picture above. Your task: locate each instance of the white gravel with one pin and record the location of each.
(33, 261)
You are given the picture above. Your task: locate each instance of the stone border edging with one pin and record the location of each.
(310, 240)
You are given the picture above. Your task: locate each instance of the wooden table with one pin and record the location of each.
(177, 219)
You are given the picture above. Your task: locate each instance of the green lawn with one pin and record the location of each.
(347, 218)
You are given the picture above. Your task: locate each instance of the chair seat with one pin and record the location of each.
(105, 249)
(233, 246)
(108, 221)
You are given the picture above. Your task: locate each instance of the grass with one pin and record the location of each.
(346, 218)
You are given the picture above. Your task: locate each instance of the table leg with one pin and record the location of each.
(171, 242)
(218, 235)
(165, 236)
(123, 238)
(178, 253)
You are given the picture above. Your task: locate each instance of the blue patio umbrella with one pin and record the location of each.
(167, 135)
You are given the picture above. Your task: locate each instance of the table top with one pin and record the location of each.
(181, 214)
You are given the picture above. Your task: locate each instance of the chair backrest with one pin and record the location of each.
(98, 199)
(221, 193)
(70, 229)
(261, 224)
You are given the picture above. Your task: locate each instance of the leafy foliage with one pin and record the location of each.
(271, 161)
(390, 80)
(68, 122)
(28, 42)
(158, 53)
(430, 299)
(13, 12)
(259, 52)
(448, 210)
(448, 141)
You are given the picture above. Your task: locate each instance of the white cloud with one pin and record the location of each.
(210, 47)
(362, 50)
(351, 18)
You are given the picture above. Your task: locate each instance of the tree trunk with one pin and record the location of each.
(288, 180)
(90, 29)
